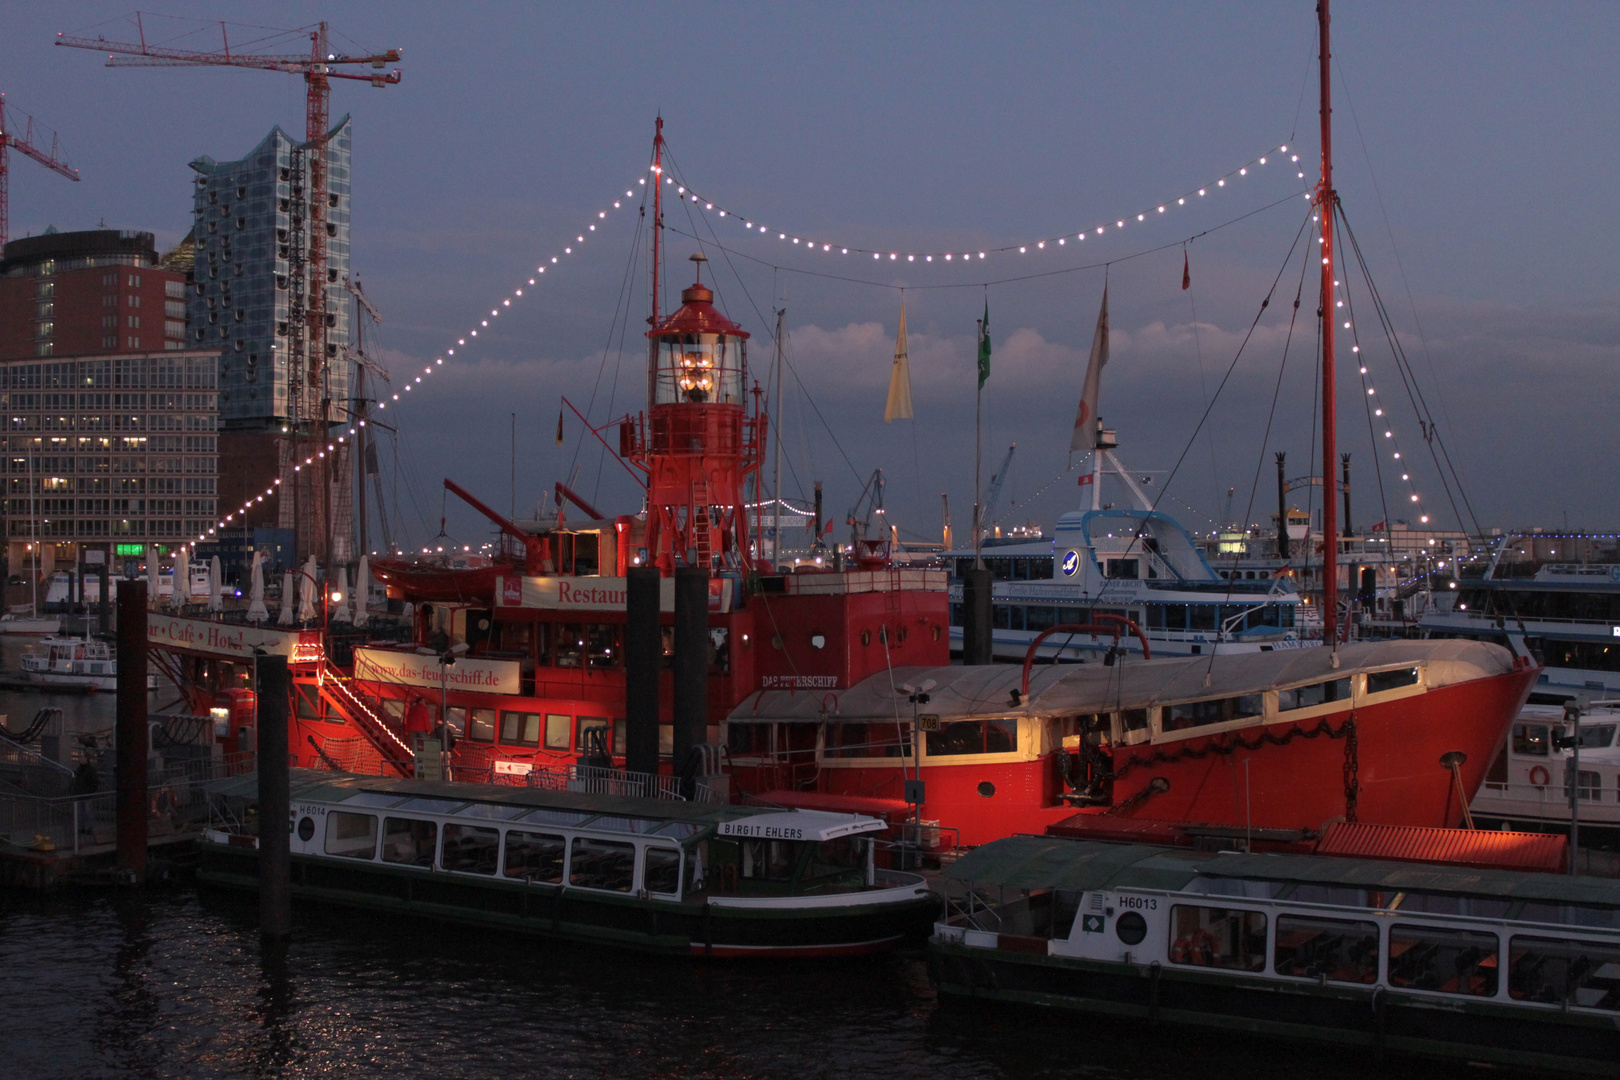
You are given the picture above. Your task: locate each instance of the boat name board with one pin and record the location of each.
(414, 669)
(798, 682)
(553, 593)
(225, 639)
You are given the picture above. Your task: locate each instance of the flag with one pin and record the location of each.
(984, 346)
(899, 406)
(559, 427)
(1086, 479)
(1085, 420)
(1186, 273)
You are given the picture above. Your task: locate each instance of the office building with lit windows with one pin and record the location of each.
(89, 293)
(108, 453)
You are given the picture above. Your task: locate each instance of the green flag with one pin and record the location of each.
(984, 346)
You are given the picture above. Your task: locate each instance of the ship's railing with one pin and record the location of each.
(605, 781)
(968, 908)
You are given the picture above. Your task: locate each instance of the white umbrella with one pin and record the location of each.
(216, 584)
(257, 612)
(362, 592)
(340, 586)
(306, 592)
(180, 595)
(285, 617)
(152, 575)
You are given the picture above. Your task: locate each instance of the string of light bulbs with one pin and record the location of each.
(752, 226)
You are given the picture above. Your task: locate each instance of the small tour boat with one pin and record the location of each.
(661, 875)
(78, 662)
(1527, 786)
(1414, 958)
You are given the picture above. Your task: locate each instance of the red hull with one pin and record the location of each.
(1400, 780)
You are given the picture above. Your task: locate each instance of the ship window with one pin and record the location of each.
(1133, 726)
(1191, 714)
(559, 730)
(1379, 681)
(521, 729)
(353, 836)
(768, 860)
(1040, 617)
(1341, 896)
(748, 740)
(1443, 960)
(973, 737)
(1596, 736)
(1201, 616)
(1122, 568)
(1305, 697)
(661, 870)
(581, 738)
(1218, 937)
(870, 740)
(481, 725)
(469, 849)
(570, 638)
(1531, 740)
(536, 856)
(1558, 972)
(1334, 949)
(602, 864)
(409, 841)
(1479, 907)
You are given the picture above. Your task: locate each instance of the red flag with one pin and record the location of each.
(828, 529)
(1186, 275)
(1086, 478)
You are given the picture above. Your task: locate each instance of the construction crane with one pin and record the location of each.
(25, 143)
(318, 68)
(998, 480)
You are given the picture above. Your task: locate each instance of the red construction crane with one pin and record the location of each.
(318, 68)
(25, 143)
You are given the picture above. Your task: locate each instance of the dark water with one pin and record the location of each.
(175, 983)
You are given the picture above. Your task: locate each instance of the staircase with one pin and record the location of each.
(394, 753)
(698, 521)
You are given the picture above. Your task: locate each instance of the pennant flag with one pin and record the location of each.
(559, 427)
(984, 346)
(899, 406)
(1085, 420)
(1186, 272)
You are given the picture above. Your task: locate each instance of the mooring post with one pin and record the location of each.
(275, 858)
(643, 664)
(691, 668)
(104, 619)
(976, 617)
(129, 732)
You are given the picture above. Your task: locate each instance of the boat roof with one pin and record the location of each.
(1076, 689)
(1050, 862)
(384, 792)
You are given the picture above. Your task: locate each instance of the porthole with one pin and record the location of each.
(866, 637)
(1130, 928)
(306, 829)
(986, 788)
(936, 633)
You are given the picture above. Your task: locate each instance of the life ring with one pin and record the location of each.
(1539, 775)
(1204, 949)
(1179, 950)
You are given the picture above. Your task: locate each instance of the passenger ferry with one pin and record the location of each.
(1527, 786)
(1553, 596)
(659, 875)
(1439, 961)
(1134, 563)
(1392, 733)
(64, 661)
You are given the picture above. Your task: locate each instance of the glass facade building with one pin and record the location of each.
(244, 216)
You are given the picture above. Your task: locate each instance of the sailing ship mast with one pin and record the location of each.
(1326, 200)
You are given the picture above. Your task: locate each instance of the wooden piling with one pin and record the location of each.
(275, 857)
(131, 739)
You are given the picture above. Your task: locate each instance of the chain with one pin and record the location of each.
(1227, 746)
(1352, 768)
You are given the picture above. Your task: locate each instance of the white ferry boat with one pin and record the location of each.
(1527, 786)
(84, 661)
(1494, 966)
(1556, 597)
(1131, 563)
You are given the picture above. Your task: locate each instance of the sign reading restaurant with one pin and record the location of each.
(231, 640)
(593, 593)
(415, 669)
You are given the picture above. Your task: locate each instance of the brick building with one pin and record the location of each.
(93, 293)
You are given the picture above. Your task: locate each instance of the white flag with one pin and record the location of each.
(1085, 421)
(899, 406)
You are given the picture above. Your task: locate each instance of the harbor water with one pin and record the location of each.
(175, 982)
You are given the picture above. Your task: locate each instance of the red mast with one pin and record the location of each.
(1326, 199)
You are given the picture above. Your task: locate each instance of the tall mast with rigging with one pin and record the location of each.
(1326, 200)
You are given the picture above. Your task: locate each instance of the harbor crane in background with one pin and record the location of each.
(998, 480)
(52, 160)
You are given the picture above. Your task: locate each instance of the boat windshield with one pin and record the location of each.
(1597, 736)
